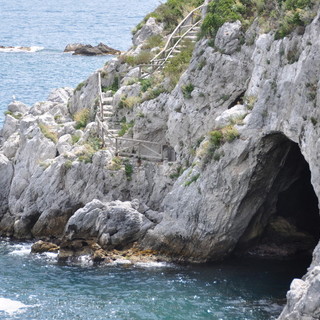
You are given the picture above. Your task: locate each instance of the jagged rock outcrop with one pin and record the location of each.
(304, 295)
(150, 28)
(113, 225)
(230, 191)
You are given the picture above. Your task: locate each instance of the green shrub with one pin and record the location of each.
(125, 127)
(114, 87)
(95, 142)
(143, 57)
(178, 64)
(216, 139)
(187, 90)
(230, 133)
(145, 84)
(128, 169)
(170, 13)
(154, 41)
(178, 173)
(280, 15)
(57, 118)
(79, 86)
(82, 118)
(48, 133)
(219, 12)
(17, 115)
(116, 164)
(192, 179)
(153, 93)
(75, 138)
(130, 102)
(68, 164)
(314, 121)
(87, 154)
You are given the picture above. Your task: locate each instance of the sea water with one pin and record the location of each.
(38, 287)
(49, 26)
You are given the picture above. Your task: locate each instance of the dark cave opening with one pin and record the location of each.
(287, 223)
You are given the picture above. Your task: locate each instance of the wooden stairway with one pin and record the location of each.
(108, 130)
(187, 30)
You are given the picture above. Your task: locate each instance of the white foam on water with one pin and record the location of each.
(153, 264)
(11, 306)
(21, 250)
(51, 255)
(22, 49)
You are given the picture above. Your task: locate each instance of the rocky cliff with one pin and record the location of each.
(244, 122)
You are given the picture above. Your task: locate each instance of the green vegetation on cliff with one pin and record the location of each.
(283, 16)
(170, 13)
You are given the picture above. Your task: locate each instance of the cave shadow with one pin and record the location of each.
(285, 221)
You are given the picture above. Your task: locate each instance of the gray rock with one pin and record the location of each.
(11, 145)
(100, 49)
(6, 174)
(73, 46)
(228, 37)
(60, 95)
(114, 225)
(150, 28)
(17, 107)
(233, 114)
(64, 144)
(10, 126)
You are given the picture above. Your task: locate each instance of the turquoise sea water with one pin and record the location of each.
(37, 287)
(52, 25)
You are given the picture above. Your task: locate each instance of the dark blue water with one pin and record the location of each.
(52, 25)
(234, 290)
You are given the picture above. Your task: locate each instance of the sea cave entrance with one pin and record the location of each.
(286, 223)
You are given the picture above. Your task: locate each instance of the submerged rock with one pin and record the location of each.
(43, 246)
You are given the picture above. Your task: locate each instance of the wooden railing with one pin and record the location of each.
(140, 149)
(192, 20)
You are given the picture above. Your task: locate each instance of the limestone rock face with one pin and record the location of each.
(6, 174)
(228, 37)
(84, 96)
(113, 225)
(17, 106)
(149, 29)
(304, 295)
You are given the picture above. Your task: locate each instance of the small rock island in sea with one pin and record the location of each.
(89, 50)
(236, 102)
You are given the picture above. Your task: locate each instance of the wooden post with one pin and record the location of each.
(102, 137)
(139, 150)
(119, 80)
